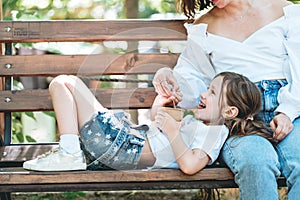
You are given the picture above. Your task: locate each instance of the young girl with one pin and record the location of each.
(110, 141)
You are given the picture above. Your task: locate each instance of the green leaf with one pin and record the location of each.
(30, 139)
(49, 113)
(20, 137)
(31, 115)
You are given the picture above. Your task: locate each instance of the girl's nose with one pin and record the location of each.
(202, 95)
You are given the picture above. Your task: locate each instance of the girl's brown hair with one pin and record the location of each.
(189, 7)
(240, 92)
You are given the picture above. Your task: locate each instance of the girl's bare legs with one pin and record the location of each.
(74, 105)
(73, 102)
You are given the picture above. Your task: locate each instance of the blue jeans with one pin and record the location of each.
(257, 164)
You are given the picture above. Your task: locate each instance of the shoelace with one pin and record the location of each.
(48, 153)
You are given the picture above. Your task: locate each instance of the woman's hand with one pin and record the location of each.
(165, 84)
(282, 126)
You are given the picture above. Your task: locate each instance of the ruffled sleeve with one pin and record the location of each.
(289, 96)
(193, 70)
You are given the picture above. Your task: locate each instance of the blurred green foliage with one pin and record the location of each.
(87, 9)
(74, 9)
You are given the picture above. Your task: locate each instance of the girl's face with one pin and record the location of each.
(209, 108)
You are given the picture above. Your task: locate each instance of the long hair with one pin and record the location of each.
(189, 7)
(240, 92)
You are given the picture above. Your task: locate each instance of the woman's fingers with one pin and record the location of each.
(165, 84)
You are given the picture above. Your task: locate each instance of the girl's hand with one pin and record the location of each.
(166, 123)
(282, 126)
(166, 101)
(161, 101)
(165, 84)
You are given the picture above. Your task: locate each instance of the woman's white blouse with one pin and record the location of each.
(272, 52)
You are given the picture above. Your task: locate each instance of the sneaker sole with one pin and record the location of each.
(57, 168)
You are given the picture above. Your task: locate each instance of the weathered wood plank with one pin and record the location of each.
(84, 65)
(91, 30)
(21, 176)
(118, 98)
(17, 179)
(118, 186)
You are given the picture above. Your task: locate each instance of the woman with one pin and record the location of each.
(259, 39)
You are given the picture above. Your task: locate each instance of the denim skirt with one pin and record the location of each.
(108, 143)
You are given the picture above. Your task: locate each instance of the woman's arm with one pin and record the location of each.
(289, 102)
(190, 161)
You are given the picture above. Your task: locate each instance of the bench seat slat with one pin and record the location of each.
(17, 179)
(98, 30)
(21, 176)
(118, 186)
(84, 65)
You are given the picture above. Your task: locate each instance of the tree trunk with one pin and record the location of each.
(132, 12)
(131, 9)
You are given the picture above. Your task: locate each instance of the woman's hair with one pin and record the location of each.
(240, 92)
(189, 7)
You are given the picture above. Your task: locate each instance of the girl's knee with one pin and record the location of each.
(61, 81)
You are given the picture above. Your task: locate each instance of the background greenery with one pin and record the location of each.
(77, 9)
(84, 9)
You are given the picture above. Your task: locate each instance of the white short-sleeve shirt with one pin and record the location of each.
(195, 134)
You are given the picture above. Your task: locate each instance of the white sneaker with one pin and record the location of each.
(57, 160)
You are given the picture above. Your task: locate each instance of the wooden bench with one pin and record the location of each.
(12, 177)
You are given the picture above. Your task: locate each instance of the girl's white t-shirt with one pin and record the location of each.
(195, 134)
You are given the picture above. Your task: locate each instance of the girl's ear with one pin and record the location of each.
(230, 112)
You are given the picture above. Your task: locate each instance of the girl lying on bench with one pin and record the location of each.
(93, 137)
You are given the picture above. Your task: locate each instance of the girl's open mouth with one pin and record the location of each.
(201, 105)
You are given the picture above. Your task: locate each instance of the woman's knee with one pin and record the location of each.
(250, 154)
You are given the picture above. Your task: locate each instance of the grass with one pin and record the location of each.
(225, 194)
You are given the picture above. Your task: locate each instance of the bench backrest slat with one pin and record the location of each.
(117, 98)
(101, 64)
(91, 30)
